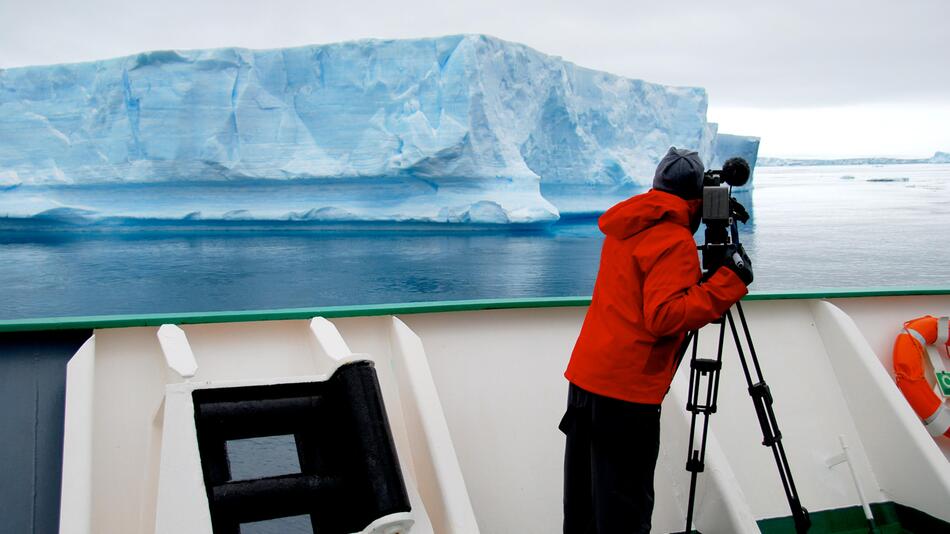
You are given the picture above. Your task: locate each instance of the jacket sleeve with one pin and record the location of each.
(673, 300)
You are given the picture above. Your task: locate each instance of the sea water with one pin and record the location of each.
(812, 228)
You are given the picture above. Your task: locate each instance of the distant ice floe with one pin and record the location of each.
(459, 129)
(900, 179)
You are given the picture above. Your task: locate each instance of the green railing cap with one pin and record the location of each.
(121, 321)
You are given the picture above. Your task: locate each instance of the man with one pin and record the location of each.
(647, 296)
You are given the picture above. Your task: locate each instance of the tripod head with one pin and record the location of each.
(721, 211)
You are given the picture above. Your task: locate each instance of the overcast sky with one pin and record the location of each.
(812, 78)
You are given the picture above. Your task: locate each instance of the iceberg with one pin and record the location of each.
(730, 146)
(937, 158)
(457, 129)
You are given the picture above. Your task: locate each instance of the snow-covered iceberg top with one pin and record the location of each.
(452, 129)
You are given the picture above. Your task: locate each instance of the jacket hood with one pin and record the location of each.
(643, 211)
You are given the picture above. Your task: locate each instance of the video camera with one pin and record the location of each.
(721, 210)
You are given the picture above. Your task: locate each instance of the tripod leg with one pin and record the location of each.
(709, 369)
(692, 456)
(771, 435)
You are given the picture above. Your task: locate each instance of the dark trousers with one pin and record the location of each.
(609, 461)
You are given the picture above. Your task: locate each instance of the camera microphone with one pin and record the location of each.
(735, 171)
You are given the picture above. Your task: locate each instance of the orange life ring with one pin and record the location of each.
(914, 345)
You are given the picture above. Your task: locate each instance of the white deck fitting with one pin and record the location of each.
(181, 503)
(138, 456)
(75, 511)
(177, 351)
(436, 468)
(845, 458)
(497, 376)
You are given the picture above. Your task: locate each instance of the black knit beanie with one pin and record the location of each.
(680, 172)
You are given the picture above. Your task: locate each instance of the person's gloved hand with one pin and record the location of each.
(738, 261)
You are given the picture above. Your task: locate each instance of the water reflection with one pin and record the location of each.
(811, 229)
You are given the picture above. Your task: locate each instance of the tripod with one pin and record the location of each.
(708, 369)
(721, 214)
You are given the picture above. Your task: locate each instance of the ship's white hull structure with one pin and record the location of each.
(474, 397)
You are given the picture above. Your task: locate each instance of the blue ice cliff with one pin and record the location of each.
(728, 146)
(467, 129)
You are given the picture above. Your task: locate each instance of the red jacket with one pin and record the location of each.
(645, 299)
